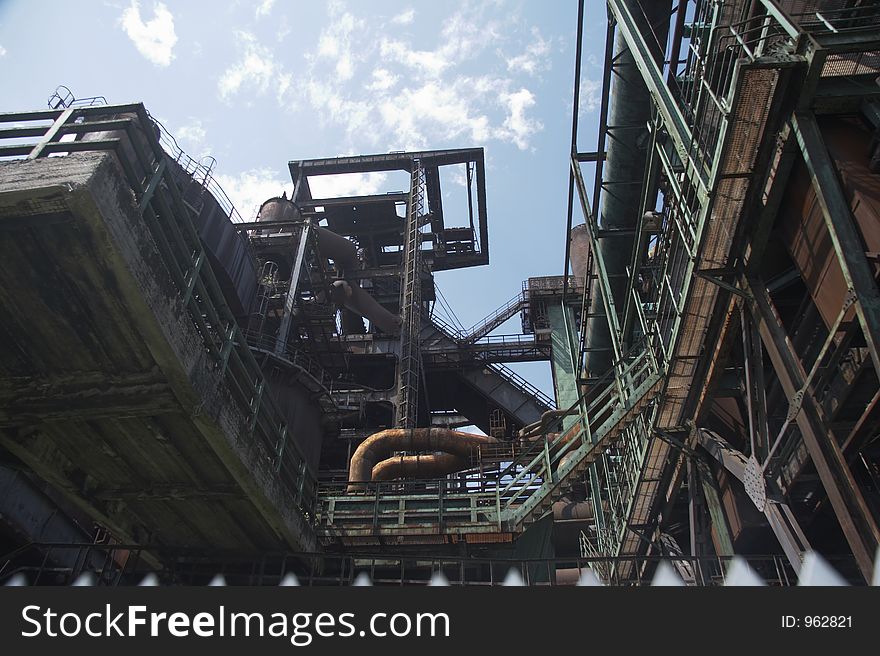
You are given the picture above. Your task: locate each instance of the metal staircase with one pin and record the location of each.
(491, 321)
(561, 460)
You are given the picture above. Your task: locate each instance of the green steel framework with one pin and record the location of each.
(706, 142)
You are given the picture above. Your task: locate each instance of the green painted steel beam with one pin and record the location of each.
(563, 360)
(716, 513)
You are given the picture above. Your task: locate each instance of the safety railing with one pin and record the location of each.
(127, 132)
(488, 323)
(846, 18)
(564, 454)
(412, 507)
(297, 357)
(201, 172)
(522, 384)
(521, 491)
(498, 348)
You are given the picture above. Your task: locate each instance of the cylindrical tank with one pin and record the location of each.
(579, 250)
(279, 208)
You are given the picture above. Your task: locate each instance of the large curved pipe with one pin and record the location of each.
(429, 465)
(381, 445)
(339, 249)
(357, 300)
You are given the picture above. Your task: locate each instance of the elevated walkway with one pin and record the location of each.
(475, 508)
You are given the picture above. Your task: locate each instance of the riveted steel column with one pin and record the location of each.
(846, 499)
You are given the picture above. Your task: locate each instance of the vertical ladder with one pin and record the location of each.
(268, 281)
(409, 368)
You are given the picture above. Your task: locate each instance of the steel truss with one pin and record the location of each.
(740, 74)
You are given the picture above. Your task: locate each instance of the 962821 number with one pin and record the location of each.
(827, 621)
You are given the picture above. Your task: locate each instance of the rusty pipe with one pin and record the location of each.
(429, 465)
(567, 510)
(379, 446)
(540, 426)
(339, 249)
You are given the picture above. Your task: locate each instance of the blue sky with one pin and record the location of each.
(256, 84)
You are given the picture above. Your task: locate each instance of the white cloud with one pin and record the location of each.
(255, 69)
(264, 8)
(426, 62)
(337, 107)
(517, 124)
(249, 189)
(405, 17)
(346, 184)
(438, 108)
(154, 39)
(191, 137)
(284, 80)
(460, 109)
(462, 36)
(591, 95)
(383, 80)
(2, 51)
(417, 98)
(335, 42)
(284, 29)
(536, 57)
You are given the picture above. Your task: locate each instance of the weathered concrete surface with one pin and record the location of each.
(108, 391)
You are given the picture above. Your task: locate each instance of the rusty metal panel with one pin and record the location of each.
(802, 226)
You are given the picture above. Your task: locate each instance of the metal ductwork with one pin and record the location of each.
(629, 113)
(344, 254)
(381, 445)
(347, 291)
(360, 302)
(339, 249)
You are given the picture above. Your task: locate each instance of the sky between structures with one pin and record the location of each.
(257, 84)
